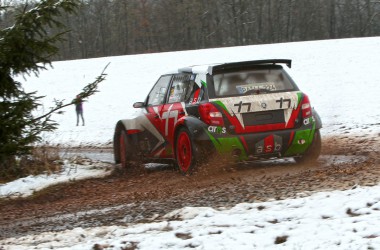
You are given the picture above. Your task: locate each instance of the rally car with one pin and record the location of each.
(249, 110)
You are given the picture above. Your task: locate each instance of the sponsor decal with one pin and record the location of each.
(196, 98)
(167, 115)
(301, 141)
(217, 130)
(306, 121)
(309, 120)
(242, 89)
(270, 144)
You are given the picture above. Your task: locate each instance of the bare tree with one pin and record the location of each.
(118, 27)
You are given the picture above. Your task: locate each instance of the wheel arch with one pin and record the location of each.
(127, 125)
(318, 120)
(198, 132)
(195, 127)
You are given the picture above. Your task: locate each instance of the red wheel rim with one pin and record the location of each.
(123, 148)
(184, 153)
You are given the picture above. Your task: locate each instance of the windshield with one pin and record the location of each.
(258, 81)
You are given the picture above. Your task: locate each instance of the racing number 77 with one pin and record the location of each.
(282, 101)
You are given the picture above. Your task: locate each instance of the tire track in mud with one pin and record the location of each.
(148, 194)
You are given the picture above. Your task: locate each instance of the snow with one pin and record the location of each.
(342, 80)
(328, 220)
(70, 172)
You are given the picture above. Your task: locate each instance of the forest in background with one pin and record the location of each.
(120, 27)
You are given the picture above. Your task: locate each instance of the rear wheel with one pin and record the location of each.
(313, 152)
(185, 152)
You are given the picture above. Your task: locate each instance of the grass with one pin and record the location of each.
(42, 159)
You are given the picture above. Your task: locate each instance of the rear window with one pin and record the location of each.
(250, 82)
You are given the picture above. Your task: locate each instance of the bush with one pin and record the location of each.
(42, 159)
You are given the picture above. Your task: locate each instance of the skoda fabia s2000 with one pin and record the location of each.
(249, 110)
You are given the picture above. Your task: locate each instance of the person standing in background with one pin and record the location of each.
(79, 108)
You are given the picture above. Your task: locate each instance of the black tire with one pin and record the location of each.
(124, 149)
(185, 152)
(313, 152)
(116, 142)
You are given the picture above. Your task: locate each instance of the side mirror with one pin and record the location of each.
(137, 105)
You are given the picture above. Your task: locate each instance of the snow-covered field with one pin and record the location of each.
(334, 220)
(342, 80)
(71, 171)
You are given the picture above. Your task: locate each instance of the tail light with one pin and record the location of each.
(210, 114)
(306, 107)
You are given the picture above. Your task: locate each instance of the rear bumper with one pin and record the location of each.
(277, 143)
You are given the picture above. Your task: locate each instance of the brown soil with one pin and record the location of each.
(147, 194)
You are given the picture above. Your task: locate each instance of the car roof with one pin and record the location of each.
(212, 68)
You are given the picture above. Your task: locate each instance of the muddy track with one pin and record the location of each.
(147, 194)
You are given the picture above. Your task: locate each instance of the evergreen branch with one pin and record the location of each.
(87, 91)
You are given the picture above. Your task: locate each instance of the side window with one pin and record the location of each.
(158, 93)
(179, 88)
(194, 93)
(182, 89)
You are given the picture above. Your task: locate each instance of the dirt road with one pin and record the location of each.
(150, 193)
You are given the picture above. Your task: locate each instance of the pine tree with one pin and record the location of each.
(26, 48)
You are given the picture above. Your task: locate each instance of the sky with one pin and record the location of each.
(342, 80)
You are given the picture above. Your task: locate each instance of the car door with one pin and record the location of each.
(156, 99)
(174, 109)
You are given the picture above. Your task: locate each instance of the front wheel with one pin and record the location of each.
(314, 150)
(185, 152)
(124, 149)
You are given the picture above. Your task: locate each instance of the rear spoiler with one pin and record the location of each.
(248, 64)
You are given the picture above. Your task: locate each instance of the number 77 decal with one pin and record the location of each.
(282, 101)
